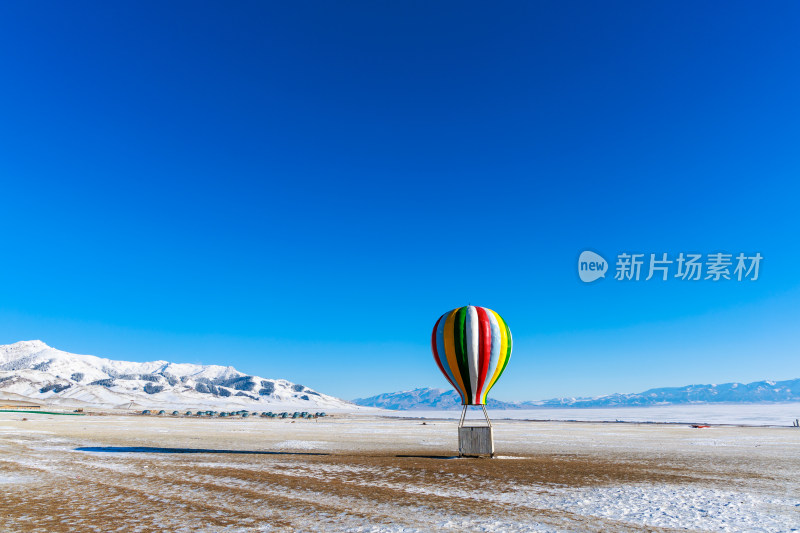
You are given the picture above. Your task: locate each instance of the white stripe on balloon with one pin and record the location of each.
(473, 349)
(497, 340)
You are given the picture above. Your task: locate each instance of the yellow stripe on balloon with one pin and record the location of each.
(503, 354)
(450, 351)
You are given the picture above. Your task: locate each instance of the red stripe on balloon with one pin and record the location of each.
(436, 354)
(484, 349)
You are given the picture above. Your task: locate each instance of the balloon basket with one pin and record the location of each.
(475, 441)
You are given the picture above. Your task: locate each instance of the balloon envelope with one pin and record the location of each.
(471, 346)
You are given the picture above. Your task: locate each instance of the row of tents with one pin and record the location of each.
(241, 414)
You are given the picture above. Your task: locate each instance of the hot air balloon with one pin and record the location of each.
(472, 346)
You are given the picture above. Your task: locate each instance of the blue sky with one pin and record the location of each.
(301, 189)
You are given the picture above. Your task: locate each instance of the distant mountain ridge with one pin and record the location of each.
(425, 398)
(34, 370)
(756, 392)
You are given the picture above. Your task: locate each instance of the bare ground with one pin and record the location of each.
(116, 473)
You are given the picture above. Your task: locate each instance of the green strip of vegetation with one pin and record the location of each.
(39, 412)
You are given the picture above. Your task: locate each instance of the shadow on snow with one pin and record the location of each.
(152, 449)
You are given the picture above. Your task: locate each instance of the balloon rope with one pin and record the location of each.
(464, 415)
(486, 415)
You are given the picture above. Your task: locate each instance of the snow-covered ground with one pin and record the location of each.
(358, 473)
(780, 414)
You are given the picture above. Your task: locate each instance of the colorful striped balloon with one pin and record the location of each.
(472, 346)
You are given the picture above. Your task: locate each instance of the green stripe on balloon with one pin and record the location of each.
(508, 350)
(460, 338)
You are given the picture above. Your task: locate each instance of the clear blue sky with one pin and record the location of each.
(300, 189)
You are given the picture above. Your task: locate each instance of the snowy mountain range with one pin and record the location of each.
(424, 399)
(33, 370)
(756, 392)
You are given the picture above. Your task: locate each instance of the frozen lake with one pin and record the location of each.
(780, 414)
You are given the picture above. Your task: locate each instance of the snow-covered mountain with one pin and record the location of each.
(34, 370)
(425, 398)
(756, 392)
